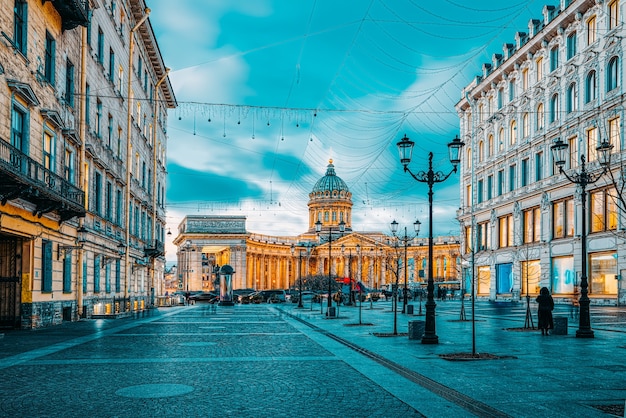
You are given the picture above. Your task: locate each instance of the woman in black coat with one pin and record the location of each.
(546, 306)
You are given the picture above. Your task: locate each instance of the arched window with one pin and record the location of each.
(501, 139)
(612, 78)
(572, 98)
(525, 125)
(590, 87)
(513, 132)
(481, 151)
(554, 108)
(540, 116)
(469, 158)
(490, 145)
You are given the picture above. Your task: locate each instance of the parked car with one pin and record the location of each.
(255, 297)
(307, 296)
(204, 297)
(275, 295)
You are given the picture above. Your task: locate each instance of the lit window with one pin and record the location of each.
(539, 68)
(505, 231)
(540, 116)
(592, 144)
(563, 218)
(591, 30)
(614, 134)
(604, 212)
(513, 132)
(532, 225)
(613, 8)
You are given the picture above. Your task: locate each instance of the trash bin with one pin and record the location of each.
(560, 325)
(331, 312)
(409, 309)
(416, 329)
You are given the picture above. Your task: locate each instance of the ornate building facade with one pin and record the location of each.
(560, 80)
(276, 262)
(83, 114)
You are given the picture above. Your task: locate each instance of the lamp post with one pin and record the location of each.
(318, 229)
(301, 253)
(430, 177)
(405, 240)
(583, 178)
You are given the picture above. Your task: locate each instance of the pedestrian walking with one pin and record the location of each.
(546, 306)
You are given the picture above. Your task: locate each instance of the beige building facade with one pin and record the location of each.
(559, 79)
(277, 262)
(83, 113)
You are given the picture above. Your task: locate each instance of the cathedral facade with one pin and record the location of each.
(277, 262)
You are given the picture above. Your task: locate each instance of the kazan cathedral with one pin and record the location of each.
(264, 262)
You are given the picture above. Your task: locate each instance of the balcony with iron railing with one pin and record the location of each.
(73, 12)
(154, 249)
(22, 177)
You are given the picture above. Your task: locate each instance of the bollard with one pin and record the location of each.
(409, 309)
(416, 329)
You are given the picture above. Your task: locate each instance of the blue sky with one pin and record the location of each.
(270, 90)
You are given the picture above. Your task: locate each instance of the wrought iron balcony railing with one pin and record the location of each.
(73, 12)
(156, 248)
(23, 177)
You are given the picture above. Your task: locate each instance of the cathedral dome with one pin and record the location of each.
(330, 183)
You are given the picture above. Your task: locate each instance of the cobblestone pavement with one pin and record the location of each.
(280, 361)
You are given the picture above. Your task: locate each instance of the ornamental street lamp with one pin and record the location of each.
(405, 240)
(430, 177)
(318, 229)
(301, 253)
(582, 179)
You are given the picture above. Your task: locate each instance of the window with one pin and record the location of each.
(612, 76)
(69, 83)
(489, 186)
(490, 145)
(100, 46)
(49, 146)
(469, 158)
(481, 112)
(48, 74)
(46, 266)
(19, 127)
(108, 210)
(591, 30)
(500, 182)
(110, 131)
(69, 166)
(571, 45)
(590, 87)
(97, 188)
(20, 25)
(505, 231)
(67, 273)
(143, 174)
(87, 104)
(538, 166)
(481, 151)
(539, 68)
(500, 98)
(483, 236)
(614, 134)
(563, 218)
(592, 144)
(540, 116)
(613, 8)
(511, 90)
(513, 132)
(98, 118)
(501, 139)
(468, 195)
(554, 58)
(119, 141)
(118, 276)
(604, 212)
(573, 151)
(111, 65)
(554, 108)
(512, 177)
(525, 125)
(96, 274)
(107, 278)
(479, 191)
(532, 225)
(119, 204)
(120, 79)
(572, 98)
(524, 174)
(525, 79)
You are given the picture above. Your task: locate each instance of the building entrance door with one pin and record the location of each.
(10, 283)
